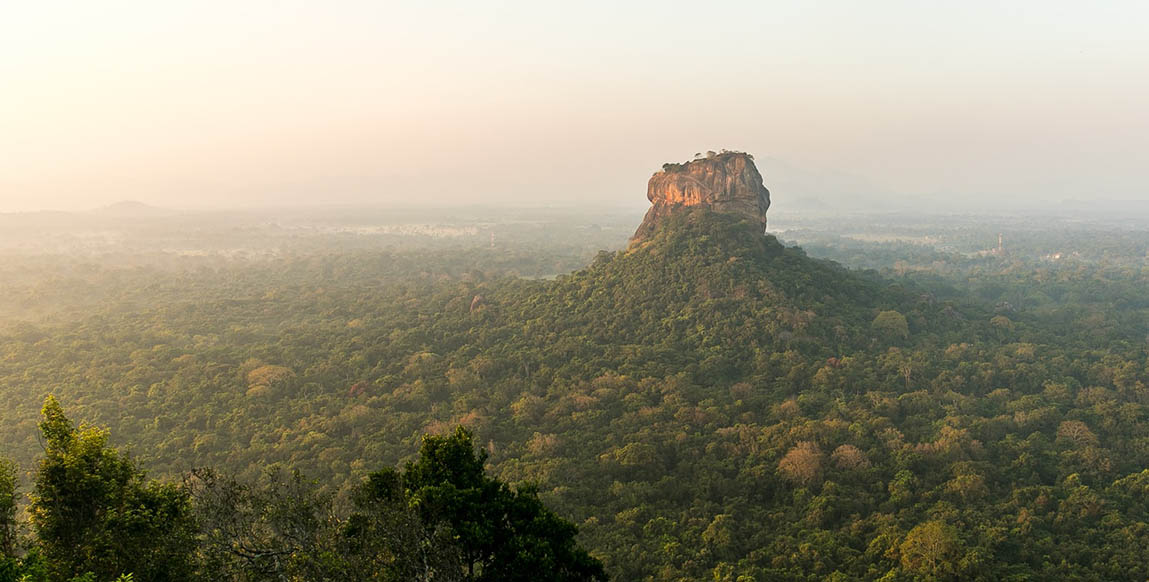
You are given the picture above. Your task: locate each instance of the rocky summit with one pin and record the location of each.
(726, 182)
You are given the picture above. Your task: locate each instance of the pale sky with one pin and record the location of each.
(219, 103)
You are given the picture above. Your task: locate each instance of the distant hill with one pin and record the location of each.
(133, 209)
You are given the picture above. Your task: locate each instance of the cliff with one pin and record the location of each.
(727, 182)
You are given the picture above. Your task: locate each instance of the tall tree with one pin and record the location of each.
(94, 511)
(278, 528)
(8, 496)
(387, 538)
(9, 562)
(501, 533)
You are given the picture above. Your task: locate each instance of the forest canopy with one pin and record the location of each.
(95, 515)
(712, 404)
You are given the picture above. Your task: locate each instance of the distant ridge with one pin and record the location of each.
(133, 209)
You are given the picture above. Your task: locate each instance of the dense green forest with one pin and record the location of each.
(708, 404)
(96, 516)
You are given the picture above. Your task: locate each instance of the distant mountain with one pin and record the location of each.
(133, 209)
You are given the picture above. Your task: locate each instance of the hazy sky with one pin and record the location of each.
(206, 103)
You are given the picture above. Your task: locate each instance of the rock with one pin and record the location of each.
(727, 182)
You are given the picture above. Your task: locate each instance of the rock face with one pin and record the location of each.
(727, 182)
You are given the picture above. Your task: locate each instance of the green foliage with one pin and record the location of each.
(931, 550)
(501, 533)
(280, 527)
(97, 518)
(388, 537)
(442, 518)
(8, 499)
(94, 511)
(652, 397)
(891, 325)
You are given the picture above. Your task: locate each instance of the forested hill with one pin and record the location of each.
(706, 404)
(704, 286)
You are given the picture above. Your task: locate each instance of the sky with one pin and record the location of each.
(212, 104)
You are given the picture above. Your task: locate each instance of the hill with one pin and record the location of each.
(705, 289)
(133, 209)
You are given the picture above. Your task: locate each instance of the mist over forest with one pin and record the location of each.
(295, 291)
(900, 396)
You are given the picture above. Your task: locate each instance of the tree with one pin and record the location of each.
(850, 458)
(279, 528)
(1077, 433)
(386, 536)
(891, 325)
(95, 512)
(803, 464)
(10, 567)
(931, 549)
(501, 533)
(8, 497)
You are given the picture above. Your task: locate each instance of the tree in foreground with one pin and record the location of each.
(96, 517)
(94, 511)
(280, 527)
(440, 519)
(9, 563)
(498, 533)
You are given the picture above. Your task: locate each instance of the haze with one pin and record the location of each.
(214, 104)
